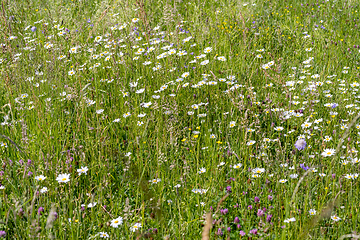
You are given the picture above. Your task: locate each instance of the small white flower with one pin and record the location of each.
(237, 166)
(289, 220)
(90, 205)
(135, 227)
(155, 180)
(40, 178)
(312, 212)
(283, 180)
(103, 235)
(335, 218)
(202, 170)
(116, 222)
(82, 170)
(63, 178)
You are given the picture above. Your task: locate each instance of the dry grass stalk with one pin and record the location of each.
(207, 227)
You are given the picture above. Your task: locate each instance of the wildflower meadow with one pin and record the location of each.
(159, 119)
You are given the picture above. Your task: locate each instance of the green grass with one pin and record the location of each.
(206, 114)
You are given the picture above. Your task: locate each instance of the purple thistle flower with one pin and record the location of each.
(219, 232)
(242, 233)
(256, 199)
(236, 220)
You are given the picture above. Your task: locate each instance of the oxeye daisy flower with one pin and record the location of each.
(283, 180)
(279, 128)
(237, 166)
(312, 212)
(98, 39)
(63, 178)
(258, 170)
(103, 235)
(44, 190)
(40, 178)
(208, 49)
(289, 220)
(135, 227)
(135, 20)
(125, 115)
(222, 58)
(328, 152)
(232, 124)
(116, 222)
(155, 180)
(335, 218)
(204, 62)
(71, 72)
(202, 170)
(265, 66)
(82, 170)
(327, 138)
(184, 75)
